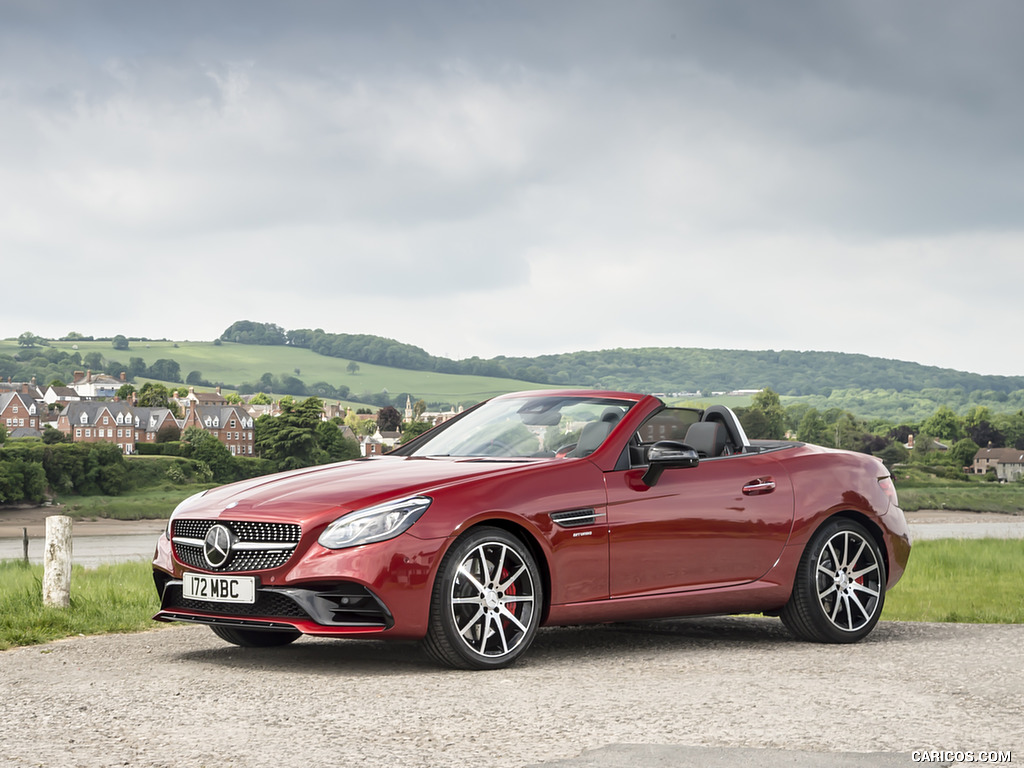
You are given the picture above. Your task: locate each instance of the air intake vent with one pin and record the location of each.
(576, 518)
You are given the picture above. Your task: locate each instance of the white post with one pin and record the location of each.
(57, 562)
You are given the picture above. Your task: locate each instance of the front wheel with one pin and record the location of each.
(840, 585)
(486, 603)
(256, 638)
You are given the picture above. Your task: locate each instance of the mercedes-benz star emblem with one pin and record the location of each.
(217, 546)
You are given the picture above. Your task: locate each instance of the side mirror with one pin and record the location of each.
(668, 454)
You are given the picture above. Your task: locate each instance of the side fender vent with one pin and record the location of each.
(576, 518)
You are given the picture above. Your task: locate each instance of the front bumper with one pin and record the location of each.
(375, 589)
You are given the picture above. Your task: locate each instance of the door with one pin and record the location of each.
(721, 523)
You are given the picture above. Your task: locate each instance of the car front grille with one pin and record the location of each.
(257, 546)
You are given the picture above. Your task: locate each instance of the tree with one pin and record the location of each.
(93, 361)
(334, 443)
(153, 395)
(893, 454)
(168, 433)
(136, 367)
(770, 405)
(52, 436)
(165, 370)
(962, 454)
(290, 440)
(204, 447)
(765, 419)
(125, 392)
(120, 342)
(389, 419)
(353, 367)
(29, 339)
(418, 409)
(944, 424)
(1012, 426)
(414, 429)
(812, 428)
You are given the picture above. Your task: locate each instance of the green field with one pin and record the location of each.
(969, 581)
(235, 364)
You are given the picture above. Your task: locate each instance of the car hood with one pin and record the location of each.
(306, 494)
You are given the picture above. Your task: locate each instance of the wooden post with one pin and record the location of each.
(24, 542)
(57, 562)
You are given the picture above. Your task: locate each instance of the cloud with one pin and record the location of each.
(484, 178)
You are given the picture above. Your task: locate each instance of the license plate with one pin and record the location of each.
(219, 589)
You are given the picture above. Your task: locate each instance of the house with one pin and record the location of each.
(368, 446)
(19, 410)
(200, 398)
(149, 421)
(93, 387)
(60, 395)
(24, 387)
(230, 424)
(90, 421)
(1008, 463)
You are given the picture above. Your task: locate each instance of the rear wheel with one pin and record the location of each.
(256, 638)
(840, 585)
(486, 603)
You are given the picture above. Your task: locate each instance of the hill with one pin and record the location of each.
(650, 369)
(375, 370)
(233, 365)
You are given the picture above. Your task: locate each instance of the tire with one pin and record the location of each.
(256, 638)
(487, 601)
(839, 590)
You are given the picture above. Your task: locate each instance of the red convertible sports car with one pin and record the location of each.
(541, 508)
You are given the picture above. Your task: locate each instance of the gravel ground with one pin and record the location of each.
(636, 694)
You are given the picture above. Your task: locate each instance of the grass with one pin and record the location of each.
(968, 497)
(975, 581)
(970, 581)
(144, 504)
(111, 598)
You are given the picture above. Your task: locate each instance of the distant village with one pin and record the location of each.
(89, 411)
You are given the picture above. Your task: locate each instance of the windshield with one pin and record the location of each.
(528, 427)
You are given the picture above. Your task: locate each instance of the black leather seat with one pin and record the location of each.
(707, 438)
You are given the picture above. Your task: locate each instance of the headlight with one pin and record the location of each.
(379, 523)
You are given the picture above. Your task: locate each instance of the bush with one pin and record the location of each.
(174, 448)
(21, 481)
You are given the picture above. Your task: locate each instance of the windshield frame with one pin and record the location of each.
(521, 426)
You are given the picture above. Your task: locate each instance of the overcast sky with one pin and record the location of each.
(520, 178)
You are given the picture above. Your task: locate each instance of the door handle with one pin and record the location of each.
(758, 487)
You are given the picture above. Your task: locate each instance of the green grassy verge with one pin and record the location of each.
(970, 581)
(966, 581)
(111, 598)
(976, 497)
(144, 504)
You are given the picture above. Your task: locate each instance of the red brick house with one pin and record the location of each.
(149, 421)
(90, 421)
(18, 410)
(228, 423)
